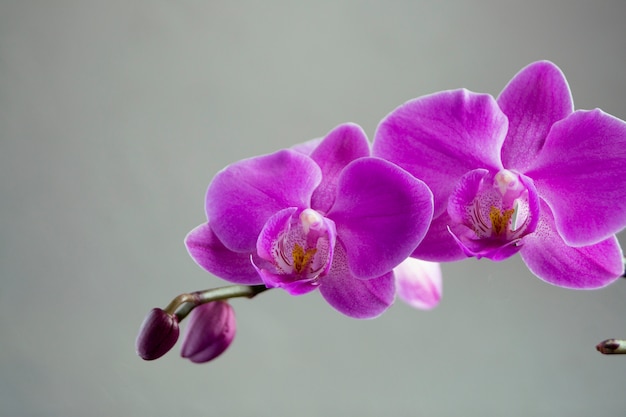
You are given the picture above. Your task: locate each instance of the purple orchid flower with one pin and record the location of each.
(521, 173)
(324, 214)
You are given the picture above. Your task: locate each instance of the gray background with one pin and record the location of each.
(115, 115)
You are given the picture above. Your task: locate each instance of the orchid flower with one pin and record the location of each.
(523, 173)
(323, 215)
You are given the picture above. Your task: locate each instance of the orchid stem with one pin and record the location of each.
(182, 305)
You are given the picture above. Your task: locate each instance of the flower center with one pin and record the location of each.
(301, 258)
(298, 244)
(296, 248)
(493, 211)
(499, 220)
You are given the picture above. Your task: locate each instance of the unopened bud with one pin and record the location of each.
(210, 331)
(612, 347)
(157, 335)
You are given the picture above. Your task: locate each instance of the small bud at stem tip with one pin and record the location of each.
(612, 347)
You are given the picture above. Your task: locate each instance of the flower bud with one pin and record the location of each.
(157, 335)
(210, 331)
(419, 283)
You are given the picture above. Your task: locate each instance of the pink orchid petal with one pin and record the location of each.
(536, 98)
(208, 252)
(581, 174)
(354, 297)
(440, 137)
(245, 194)
(342, 145)
(381, 214)
(552, 260)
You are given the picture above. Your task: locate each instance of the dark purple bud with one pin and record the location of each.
(612, 347)
(157, 335)
(210, 331)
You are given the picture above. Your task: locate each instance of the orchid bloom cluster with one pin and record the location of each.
(450, 175)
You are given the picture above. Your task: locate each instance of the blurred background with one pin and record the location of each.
(115, 115)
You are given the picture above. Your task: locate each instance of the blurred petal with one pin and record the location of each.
(210, 330)
(357, 298)
(581, 174)
(438, 138)
(245, 194)
(208, 252)
(536, 98)
(381, 214)
(341, 146)
(419, 283)
(551, 259)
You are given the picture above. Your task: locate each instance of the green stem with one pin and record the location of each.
(182, 305)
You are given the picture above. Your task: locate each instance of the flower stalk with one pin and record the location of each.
(182, 305)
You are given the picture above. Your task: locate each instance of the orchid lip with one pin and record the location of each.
(295, 249)
(493, 212)
(302, 247)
